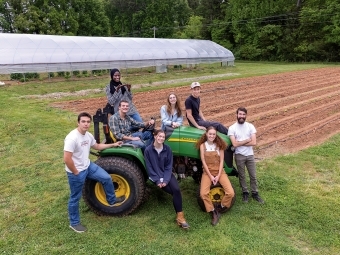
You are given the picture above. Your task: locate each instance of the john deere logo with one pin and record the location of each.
(187, 140)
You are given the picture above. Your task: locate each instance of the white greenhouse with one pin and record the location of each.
(21, 53)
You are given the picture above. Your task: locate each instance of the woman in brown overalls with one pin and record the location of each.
(212, 156)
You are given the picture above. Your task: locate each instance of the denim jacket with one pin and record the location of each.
(167, 119)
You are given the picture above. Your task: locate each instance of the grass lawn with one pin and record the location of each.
(300, 216)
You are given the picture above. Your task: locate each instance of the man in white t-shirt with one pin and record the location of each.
(243, 137)
(78, 167)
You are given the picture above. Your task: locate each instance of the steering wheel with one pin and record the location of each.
(149, 127)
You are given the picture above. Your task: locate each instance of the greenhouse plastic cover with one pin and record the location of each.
(20, 53)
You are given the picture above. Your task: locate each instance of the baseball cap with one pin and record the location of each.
(195, 84)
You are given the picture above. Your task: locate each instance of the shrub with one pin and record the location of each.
(61, 74)
(16, 76)
(96, 71)
(75, 73)
(51, 75)
(24, 80)
(19, 76)
(32, 75)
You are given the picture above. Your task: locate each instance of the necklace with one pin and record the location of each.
(211, 146)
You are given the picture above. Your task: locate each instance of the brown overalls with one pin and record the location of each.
(212, 159)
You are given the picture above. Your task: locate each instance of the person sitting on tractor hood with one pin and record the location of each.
(194, 113)
(171, 113)
(158, 159)
(120, 124)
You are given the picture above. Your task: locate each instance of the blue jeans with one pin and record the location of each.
(76, 183)
(146, 139)
(137, 118)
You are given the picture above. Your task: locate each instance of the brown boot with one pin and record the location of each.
(215, 216)
(181, 220)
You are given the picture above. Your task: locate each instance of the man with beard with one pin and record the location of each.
(243, 137)
(194, 113)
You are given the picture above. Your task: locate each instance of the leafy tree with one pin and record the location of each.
(193, 4)
(182, 12)
(220, 33)
(193, 29)
(9, 10)
(125, 16)
(138, 17)
(32, 20)
(91, 17)
(212, 13)
(159, 14)
(71, 17)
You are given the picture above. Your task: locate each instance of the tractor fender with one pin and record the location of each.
(129, 152)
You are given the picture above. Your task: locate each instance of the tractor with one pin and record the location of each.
(127, 168)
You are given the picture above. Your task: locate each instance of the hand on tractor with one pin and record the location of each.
(118, 144)
(175, 125)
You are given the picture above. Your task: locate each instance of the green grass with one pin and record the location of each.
(300, 216)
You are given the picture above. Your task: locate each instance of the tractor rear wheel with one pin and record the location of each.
(216, 194)
(128, 181)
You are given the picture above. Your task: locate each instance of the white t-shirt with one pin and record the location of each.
(79, 145)
(242, 132)
(212, 147)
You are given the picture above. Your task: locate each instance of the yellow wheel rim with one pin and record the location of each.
(122, 188)
(216, 194)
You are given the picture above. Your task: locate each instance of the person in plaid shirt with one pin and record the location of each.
(120, 124)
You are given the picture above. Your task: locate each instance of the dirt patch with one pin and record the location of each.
(291, 111)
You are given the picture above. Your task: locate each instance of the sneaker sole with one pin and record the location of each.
(78, 231)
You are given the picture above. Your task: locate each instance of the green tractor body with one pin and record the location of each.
(126, 165)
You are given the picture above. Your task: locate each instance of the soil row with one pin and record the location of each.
(290, 111)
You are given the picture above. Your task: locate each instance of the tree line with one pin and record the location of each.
(266, 30)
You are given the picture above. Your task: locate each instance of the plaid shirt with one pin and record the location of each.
(121, 127)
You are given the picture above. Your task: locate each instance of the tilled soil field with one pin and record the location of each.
(291, 111)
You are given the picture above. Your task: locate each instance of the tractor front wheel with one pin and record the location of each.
(216, 194)
(128, 181)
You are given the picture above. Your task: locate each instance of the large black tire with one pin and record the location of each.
(128, 181)
(216, 194)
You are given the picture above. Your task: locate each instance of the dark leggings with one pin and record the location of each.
(173, 189)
